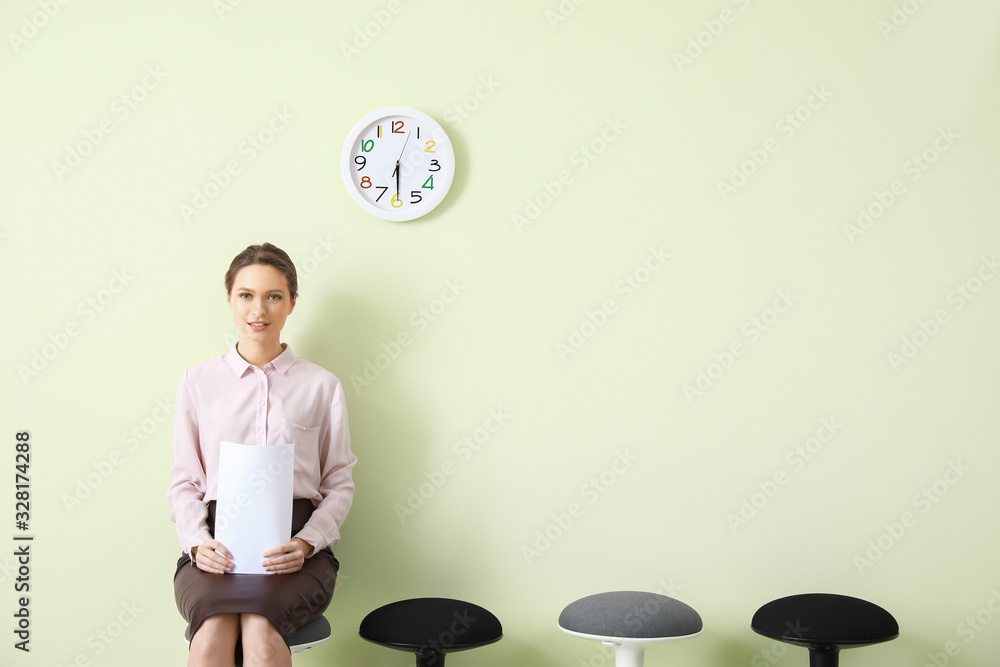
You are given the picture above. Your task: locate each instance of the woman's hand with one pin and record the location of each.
(212, 556)
(288, 557)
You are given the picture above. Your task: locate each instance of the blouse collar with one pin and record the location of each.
(282, 363)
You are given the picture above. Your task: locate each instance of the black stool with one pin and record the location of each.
(824, 623)
(431, 628)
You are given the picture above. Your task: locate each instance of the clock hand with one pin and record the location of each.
(396, 170)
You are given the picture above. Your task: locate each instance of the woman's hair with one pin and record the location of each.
(268, 254)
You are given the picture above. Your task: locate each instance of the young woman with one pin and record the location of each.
(258, 393)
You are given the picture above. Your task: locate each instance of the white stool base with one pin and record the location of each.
(627, 655)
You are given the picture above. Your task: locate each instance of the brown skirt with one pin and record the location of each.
(289, 601)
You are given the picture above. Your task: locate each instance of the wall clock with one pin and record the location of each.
(398, 163)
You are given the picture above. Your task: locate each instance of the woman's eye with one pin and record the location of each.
(276, 297)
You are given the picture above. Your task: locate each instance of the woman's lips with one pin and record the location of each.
(257, 326)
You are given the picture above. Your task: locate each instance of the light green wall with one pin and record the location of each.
(795, 312)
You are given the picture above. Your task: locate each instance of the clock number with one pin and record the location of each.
(429, 183)
(430, 146)
(383, 188)
(360, 160)
(367, 146)
(434, 166)
(397, 127)
(415, 196)
(366, 182)
(396, 201)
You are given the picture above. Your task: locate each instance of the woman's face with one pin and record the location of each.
(260, 302)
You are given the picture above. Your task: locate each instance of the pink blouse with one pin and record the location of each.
(290, 400)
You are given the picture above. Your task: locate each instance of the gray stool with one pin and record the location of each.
(824, 623)
(312, 633)
(431, 628)
(630, 621)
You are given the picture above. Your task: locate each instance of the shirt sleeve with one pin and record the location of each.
(336, 487)
(186, 493)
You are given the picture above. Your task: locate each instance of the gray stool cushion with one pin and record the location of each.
(630, 615)
(310, 634)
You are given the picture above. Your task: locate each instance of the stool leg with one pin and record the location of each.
(628, 656)
(430, 659)
(829, 657)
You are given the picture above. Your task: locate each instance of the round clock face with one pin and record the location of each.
(398, 163)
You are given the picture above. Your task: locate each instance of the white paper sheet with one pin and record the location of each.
(254, 508)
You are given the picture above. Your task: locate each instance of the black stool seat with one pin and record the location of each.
(431, 628)
(824, 623)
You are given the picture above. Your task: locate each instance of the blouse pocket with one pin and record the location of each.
(304, 437)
